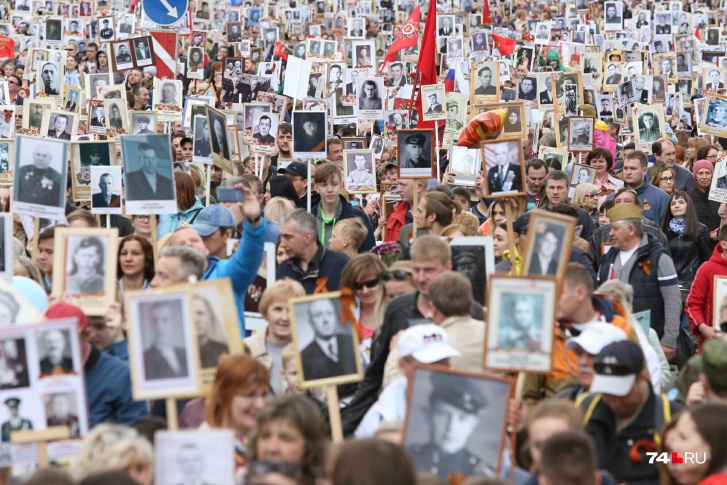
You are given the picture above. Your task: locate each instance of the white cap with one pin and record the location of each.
(596, 336)
(427, 343)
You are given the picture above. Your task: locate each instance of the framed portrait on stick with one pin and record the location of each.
(359, 170)
(42, 387)
(163, 351)
(148, 157)
(265, 277)
(648, 125)
(85, 261)
(474, 258)
(521, 315)
(327, 350)
(416, 152)
(84, 155)
(455, 413)
(580, 133)
(504, 167)
(41, 168)
(551, 238)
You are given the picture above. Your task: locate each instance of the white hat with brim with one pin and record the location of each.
(427, 343)
(612, 385)
(595, 337)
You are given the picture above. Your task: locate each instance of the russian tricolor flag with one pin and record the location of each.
(449, 81)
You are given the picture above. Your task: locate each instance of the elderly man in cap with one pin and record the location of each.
(454, 413)
(15, 423)
(638, 259)
(427, 344)
(434, 105)
(624, 415)
(143, 122)
(415, 156)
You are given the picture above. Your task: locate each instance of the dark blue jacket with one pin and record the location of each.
(326, 263)
(108, 391)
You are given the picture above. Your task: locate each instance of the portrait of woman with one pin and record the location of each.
(371, 99)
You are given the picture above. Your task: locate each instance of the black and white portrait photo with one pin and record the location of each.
(201, 147)
(309, 134)
(62, 409)
(486, 80)
(328, 350)
(49, 78)
(473, 257)
(503, 165)
(15, 373)
(416, 152)
(54, 30)
(60, 126)
(445, 25)
(542, 33)
(194, 457)
(264, 132)
(455, 422)
(105, 27)
(364, 55)
(433, 102)
(143, 53)
(162, 349)
(549, 253)
(115, 114)
(106, 190)
(148, 171)
(55, 353)
(169, 94)
(85, 265)
(581, 174)
(514, 123)
(528, 88)
(40, 176)
(195, 63)
(580, 133)
(122, 55)
(360, 168)
(356, 28)
(522, 314)
(648, 124)
(218, 134)
(614, 16)
(663, 23)
(370, 97)
(143, 122)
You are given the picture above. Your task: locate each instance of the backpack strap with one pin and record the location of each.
(587, 403)
(195, 216)
(662, 415)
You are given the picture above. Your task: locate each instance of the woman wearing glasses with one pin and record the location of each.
(664, 178)
(362, 276)
(586, 197)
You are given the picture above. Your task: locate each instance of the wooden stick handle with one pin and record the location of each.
(334, 415)
(172, 419)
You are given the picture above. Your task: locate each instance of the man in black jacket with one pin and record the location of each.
(430, 256)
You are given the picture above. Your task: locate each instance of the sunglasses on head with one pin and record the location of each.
(368, 284)
(397, 274)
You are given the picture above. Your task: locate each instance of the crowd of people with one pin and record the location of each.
(635, 392)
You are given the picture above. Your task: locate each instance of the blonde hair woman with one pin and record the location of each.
(277, 207)
(112, 447)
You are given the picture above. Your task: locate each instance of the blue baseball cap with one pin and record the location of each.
(212, 218)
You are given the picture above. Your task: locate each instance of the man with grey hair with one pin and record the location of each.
(638, 259)
(178, 264)
(242, 267)
(309, 263)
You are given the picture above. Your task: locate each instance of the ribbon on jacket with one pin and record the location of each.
(347, 302)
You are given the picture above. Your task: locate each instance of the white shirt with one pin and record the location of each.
(330, 347)
(152, 180)
(626, 255)
(391, 406)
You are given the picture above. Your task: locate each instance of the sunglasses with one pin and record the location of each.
(368, 284)
(397, 274)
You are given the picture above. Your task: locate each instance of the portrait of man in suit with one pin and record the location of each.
(59, 128)
(56, 359)
(546, 96)
(106, 198)
(484, 76)
(504, 176)
(545, 257)
(147, 183)
(713, 80)
(330, 354)
(163, 359)
(445, 27)
(612, 75)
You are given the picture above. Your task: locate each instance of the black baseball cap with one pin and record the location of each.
(617, 366)
(298, 169)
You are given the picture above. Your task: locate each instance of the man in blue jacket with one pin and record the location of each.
(242, 267)
(653, 200)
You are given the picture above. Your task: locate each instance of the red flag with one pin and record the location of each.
(7, 46)
(486, 15)
(280, 51)
(505, 45)
(427, 63)
(407, 37)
